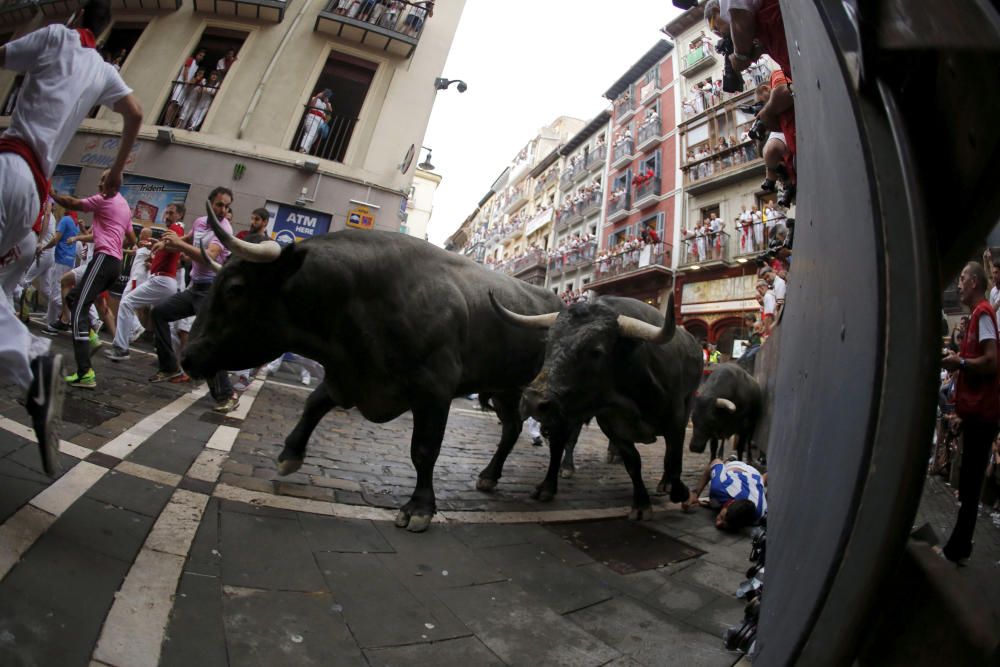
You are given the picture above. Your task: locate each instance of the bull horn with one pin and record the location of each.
(631, 327)
(208, 260)
(531, 321)
(266, 251)
(725, 404)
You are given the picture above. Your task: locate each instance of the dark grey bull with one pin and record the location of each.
(728, 403)
(397, 323)
(619, 361)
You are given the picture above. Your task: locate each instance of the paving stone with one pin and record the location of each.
(107, 529)
(712, 576)
(205, 555)
(303, 491)
(195, 634)
(286, 628)
(267, 553)
(652, 638)
(26, 463)
(488, 536)
(54, 602)
(362, 585)
(681, 598)
(521, 631)
(249, 483)
(342, 535)
(547, 578)
(131, 493)
(174, 447)
(461, 652)
(718, 615)
(334, 483)
(16, 492)
(441, 562)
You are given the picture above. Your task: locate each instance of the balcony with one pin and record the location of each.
(580, 171)
(649, 136)
(700, 101)
(393, 31)
(650, 258)
(551, 176)
(647, 193)
(709, 250)
(618, 208)
(565, 218)
(573, 258)
(511, 232)
(625, 106)
(750, 240)
(475, 251)
(566, 179)
(721, 168)
(622, 154)
(518, 198)
(264, 10)
(597, 157)
(535, 259)
(697, 60)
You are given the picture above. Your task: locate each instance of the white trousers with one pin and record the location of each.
(310, 129)
(40, 270)
(18, 211)
(154, 291)
(16, 263)
(56, 272)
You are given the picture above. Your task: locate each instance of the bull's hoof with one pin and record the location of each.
(567, 473)
(486, 485)
(612, 457)
(640, 514)
(543, 495)
(696, 447)
(679, 492)
(418, 523)
(661, 487)
(288, 466)
(402, 519)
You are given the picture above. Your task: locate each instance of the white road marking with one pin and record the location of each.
(246, 401)
(28, 433)
(147, 473)
(223, 438)
(66, 490)
(208, 465)
(123, 445)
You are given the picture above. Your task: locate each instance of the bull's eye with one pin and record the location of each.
(234, 289)
(596, 353)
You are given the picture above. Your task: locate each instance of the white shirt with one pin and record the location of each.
(726, 5)
(63, 82)
(47, 233)
(779, 286)
(770, 304)
(987, 328)
(139, 271)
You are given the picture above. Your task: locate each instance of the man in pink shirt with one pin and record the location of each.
(112, 224)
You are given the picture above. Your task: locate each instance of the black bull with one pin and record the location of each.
(398, 324)
(728, 403)
(619, 361)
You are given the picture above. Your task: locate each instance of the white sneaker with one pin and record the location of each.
(305, 377)
(137, 334)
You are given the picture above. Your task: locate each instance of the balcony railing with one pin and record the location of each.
(573, 258)
(697, 60)
(722, 162)
(518, 198)
(393, 27)
(646, 193)
(475, 251)
(622, 153)
(188, 105)
(616, 207)
(550, 177)
(266, 10)
(512, 231)
(325, 137)
(566, 217)
(706, 249)
(751, 239)
(566, 179)
(649, 135)
(629, 261)
(534, 259)
(625, 107)
(596, 157)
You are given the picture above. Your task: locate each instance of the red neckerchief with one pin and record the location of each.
(87, 38)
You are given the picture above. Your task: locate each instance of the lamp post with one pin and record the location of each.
(440, 83)
(426, 164)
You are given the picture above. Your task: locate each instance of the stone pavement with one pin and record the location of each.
(168, 540)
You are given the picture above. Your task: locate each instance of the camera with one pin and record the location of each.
(758, 131)
(732, 82)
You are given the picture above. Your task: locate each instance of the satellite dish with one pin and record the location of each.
(404, 166)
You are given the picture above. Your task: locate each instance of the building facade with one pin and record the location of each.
(420, 203)
(638, 238)
(721, 176)
(229, 92)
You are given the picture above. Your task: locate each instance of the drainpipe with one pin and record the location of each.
(305, 4)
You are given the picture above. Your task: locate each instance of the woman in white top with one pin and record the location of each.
(318, 112)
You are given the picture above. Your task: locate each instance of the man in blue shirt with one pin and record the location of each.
(65, 258)
(736, 489)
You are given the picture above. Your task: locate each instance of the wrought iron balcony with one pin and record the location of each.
(625, 262)
(618, 208)
(706, 250)
(720, 168)
(649, 136)
(393, 29)
(597, 157)
(518, 198)
(265, 10)
(697, 60)
(750, 240)
(566, 179)
(573, 258)
(622, 154)
(646, 194)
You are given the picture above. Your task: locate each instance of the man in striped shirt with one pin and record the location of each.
(736, 489)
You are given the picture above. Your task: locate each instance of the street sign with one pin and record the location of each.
(290, 224)
(361, 217)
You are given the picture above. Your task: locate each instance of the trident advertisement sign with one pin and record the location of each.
(290, 224)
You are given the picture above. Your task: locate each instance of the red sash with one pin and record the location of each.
(20, 147)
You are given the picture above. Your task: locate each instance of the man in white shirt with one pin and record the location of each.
(44, 260)
(768, 306)
(64, 79)
(775, 283)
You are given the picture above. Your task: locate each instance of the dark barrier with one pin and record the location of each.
(882, 132)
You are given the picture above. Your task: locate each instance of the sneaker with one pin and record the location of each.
(117, 354)
(787, 196)
(164, 376)
(181, 378)
(306, 378)
(227, 405)
(242, 383)
(86, 381)
(95, 342)
(137, 334)
(44, 404)
(54, 328)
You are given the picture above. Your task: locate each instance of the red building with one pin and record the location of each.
(641, 191)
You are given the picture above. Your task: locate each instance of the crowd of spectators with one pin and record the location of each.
(403, 17)
(576, 249)
(571, 296)
(575, 202)
(743, 151)
(708, 93)
(627, 254)
(195, 88)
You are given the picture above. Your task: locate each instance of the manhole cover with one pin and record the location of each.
(87, 413)
(624, 546)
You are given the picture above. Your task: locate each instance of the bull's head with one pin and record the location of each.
(585, 344)
(241, 323)
(708, 415)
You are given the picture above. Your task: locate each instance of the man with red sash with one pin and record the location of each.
(64, 78)
(977, 402)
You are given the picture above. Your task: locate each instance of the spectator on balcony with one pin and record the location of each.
(758, 227)
(191, 98)
(317, 113)
(182, 86)
(226, 63)
(716, 227)
(768, 306)
(775, 284)
(414, 21)
(198, 102)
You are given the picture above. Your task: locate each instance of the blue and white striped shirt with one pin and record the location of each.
(737, 481)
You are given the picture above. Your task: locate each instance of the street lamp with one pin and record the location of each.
(441, 83)
(426, 164)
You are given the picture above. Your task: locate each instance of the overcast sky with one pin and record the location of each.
(527, 62)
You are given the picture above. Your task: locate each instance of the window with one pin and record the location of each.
(652, 163)
(652, 223)
(120, 42)
(197, 82)
(697, 135)
(619, 237)
(621, 181)
(326, 133)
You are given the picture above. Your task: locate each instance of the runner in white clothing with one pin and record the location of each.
(42, 266)
(65, 77)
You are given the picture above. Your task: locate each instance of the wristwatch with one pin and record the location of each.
(961, 363)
